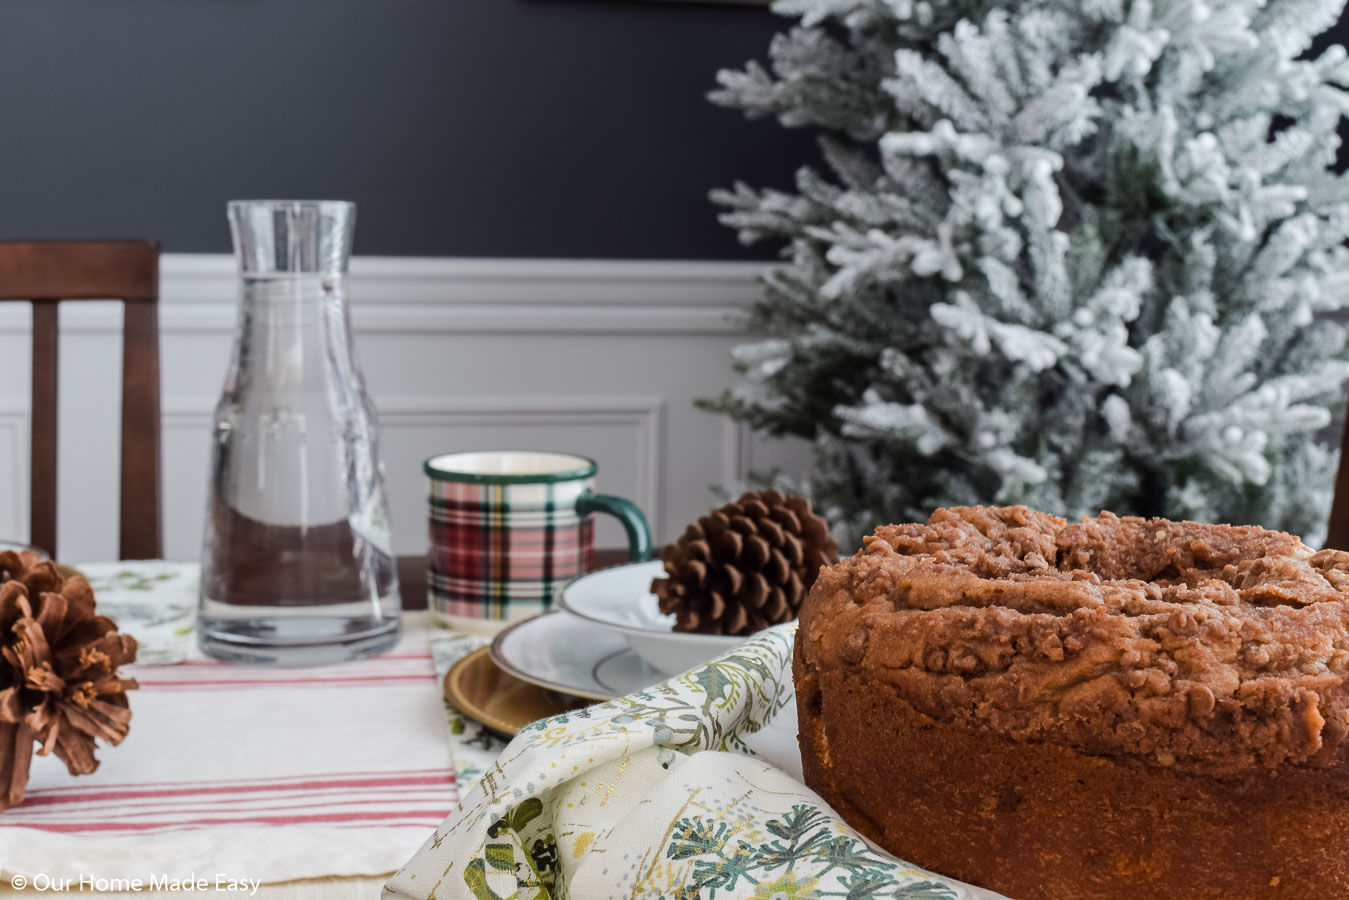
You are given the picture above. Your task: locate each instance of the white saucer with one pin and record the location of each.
(569, 655)
(620, 598)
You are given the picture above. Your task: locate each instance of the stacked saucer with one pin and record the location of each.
(605, 638)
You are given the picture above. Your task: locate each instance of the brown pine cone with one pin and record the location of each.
(58, 672)
(745, 566)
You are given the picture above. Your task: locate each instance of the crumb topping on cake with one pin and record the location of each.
(1209, 648)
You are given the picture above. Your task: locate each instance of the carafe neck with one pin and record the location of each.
(292, 236)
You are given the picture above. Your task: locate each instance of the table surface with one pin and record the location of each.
(412, 575)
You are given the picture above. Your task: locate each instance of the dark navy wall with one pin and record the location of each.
(460, 127)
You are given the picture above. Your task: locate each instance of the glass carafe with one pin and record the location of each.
(297, 563)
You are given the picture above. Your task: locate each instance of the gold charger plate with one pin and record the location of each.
(500, 701)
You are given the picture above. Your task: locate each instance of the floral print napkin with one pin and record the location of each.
(153, 600)
(473, 746)
(658, 794)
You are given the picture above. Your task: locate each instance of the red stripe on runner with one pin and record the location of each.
(390, 805)
(144, 682)
(272, 675)
(385, 773)
(183, 792)
(330, 797)
(211, 664)
(432, 815)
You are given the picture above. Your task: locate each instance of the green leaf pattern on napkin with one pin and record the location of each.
(806, 839)
(154, 601)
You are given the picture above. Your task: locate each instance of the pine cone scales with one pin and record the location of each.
(745, 566)
(58, 672)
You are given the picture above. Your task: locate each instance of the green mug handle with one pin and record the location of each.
(627, 513)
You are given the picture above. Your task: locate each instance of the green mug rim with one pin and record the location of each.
(587, 470)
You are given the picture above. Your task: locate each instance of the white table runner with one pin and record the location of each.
(241, 773)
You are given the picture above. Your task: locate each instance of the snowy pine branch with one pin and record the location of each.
(1073, 254)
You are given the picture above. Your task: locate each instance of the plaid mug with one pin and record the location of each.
(507, 527)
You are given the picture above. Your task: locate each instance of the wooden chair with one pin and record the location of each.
(45, 274)
(1337, 534)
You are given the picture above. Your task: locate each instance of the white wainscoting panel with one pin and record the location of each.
(14, 469)
(602, 358)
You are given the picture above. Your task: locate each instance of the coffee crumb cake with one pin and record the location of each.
(1115, 708)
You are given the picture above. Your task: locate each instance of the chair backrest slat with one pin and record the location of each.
(140, 522)
(79, 270)
(1337, 533)
(42, 494)
(47, 273)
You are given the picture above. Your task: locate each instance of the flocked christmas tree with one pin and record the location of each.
(1076, 254)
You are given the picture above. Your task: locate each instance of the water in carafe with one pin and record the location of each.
(297, 567)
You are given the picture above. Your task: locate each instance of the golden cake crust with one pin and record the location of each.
(1129, 664)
